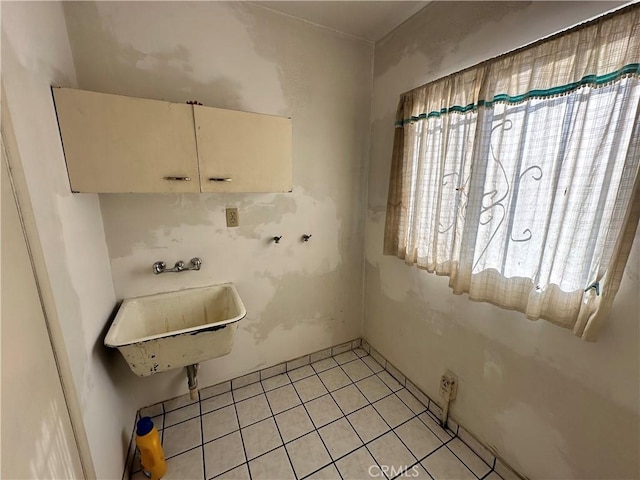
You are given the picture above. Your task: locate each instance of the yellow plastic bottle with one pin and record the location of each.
(151, 453)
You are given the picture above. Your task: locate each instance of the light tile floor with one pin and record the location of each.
(342, 417)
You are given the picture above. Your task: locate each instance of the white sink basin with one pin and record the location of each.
(160, 332)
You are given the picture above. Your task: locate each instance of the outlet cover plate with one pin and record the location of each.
(452, 379)
(232, 217)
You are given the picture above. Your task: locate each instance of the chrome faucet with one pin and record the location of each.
(161, 267)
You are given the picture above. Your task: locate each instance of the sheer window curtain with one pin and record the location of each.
(518, 178)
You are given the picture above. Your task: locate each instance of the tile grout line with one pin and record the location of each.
(246, 462)
(364, 444)
(244, 449)
(394, 393)
(432, 415)
(303, 435)
(282, 386)
(419, 462)
(182, 453)
(202, 432)
(376, 410)
(370, 404)
(277, 427)
(330, 394)
(204, 463)
(430, 412)
(164, 417)
(230, 391)
(392, 429)
(291, 382)
(446, 444)
(491, 469)
(315, 429)
(230, 469)
(462, 461)
(287, 410)
(135, 447)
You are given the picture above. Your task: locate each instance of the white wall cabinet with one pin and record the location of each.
(118, 144)
(123, 144)
(243, 152)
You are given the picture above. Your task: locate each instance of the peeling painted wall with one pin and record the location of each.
(35, 55)
(300, 297)
(550, 404)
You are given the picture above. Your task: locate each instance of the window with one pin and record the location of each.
(518, 178)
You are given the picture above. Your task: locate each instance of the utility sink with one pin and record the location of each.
(171, 330)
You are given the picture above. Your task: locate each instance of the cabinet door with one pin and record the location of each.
(243, 152)
(115, 144)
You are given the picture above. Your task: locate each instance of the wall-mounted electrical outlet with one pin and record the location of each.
(449, 385)
(232, 217)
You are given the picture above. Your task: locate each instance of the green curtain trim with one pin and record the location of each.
(593, 80)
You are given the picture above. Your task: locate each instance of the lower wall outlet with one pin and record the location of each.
(449, 385)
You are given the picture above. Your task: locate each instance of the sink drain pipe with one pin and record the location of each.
(192, 381)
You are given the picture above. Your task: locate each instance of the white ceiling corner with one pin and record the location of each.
(369, 20)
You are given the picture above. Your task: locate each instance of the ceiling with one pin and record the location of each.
(369, 20)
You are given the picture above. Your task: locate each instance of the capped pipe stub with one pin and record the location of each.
(193, 393)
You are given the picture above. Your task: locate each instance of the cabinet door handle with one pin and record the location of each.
(179, 179)
(220, 179)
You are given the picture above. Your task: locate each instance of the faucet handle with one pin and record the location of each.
(159, 267)
(196, 263)
(179, 266)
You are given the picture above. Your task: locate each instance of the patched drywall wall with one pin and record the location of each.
(300, 297)
(35, 55)
(548, 403)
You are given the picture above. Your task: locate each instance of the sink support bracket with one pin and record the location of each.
(192, 380)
